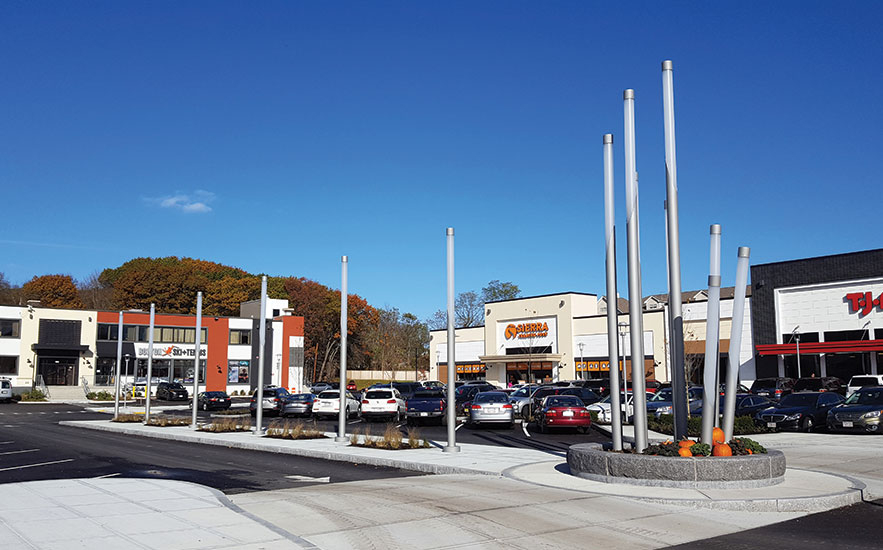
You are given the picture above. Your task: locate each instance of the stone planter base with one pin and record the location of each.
(591, 461)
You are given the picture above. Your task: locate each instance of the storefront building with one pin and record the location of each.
(819, 316)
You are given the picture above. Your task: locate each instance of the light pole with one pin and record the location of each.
(623, 330)
(582, 361)
(125, 396)
(796, 336)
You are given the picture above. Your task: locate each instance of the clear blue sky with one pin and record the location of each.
(277, 136)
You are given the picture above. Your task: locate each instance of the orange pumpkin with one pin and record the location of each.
(717, 435)
(686, 443)
(750, 452)
(668, 442)
(722, 449)
(685, 451)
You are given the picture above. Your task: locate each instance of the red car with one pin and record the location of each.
(351, 385)
(564, 411)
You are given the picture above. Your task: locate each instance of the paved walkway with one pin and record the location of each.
(484, 497)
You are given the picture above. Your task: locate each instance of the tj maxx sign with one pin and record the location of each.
(863, 302)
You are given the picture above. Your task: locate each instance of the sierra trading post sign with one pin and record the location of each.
(542, 332)
(170, 352)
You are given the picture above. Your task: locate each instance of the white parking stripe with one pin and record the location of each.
(6, 442)
(459, 426)
(18, 452)
(107, 475)
(36, 465)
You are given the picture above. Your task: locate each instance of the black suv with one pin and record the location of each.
(823, 384)
(464, 395)
(774, 388)
(171, 391)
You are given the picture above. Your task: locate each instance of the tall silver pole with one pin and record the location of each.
(262, 339)
(636, 320)
(712, 339)
(797, 341)
(452, 365)
(678, 382)
(735, 341)
(117, 385)
(147, 386)
(198, 346)
(341, 417)
(612, 328)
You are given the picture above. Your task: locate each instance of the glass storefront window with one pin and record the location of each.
(237, 372)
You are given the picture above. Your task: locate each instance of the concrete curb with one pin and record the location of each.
(195, 437)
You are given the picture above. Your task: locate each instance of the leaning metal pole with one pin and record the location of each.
(712, 339)
(149, 366)
(198, 347)
(678, 375)
(735, 341)
(612, 328)
(117, 385)
(451, 411)
(636, 320)
(341, 415)
(262, 340)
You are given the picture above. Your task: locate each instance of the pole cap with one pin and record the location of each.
(450, 231)
(744, 252)
(628, 94)
(343, 259)
(608, 138)
(667, 65)
(715, 229)
(714, 280)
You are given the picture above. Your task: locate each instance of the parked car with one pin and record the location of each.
(171, 391)
(860, 412)
(822, 384)
(559, 411)
(536, 398)
(857, 382)
(213, 400)
(425, 405)
(490, 407)
(407, 389)
(652, 386)
(351, 386)
(432, 384)
(319, 387)
(661, 402)
(327, 404)
(384, 404)
(722, 389)
(799, 411)
(774, 388)
(298, 404)
(601, 386)
(603, 407)
(464, 394)
(5, 390)
(521, 397)
(273, 402)
(746, 405)
(585, 395)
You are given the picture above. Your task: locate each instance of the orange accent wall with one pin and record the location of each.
(291, 326)
(216, 366)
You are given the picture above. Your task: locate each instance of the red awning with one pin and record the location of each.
(848, 346)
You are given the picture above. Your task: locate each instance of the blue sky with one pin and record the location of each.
(277, 136)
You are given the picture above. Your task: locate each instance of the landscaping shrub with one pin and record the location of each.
(33, 395)
(415, 439)
(662, 449)
(165, 420)
(222, 425)
(231, 412)
(742, 446)
(286, 429)
(742, 425)
(129, 418)
(392, 437)
(700, 449)
(99, 396)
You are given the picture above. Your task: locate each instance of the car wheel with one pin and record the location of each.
(806, 424)
(205, 406)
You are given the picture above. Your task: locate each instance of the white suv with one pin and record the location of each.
(862, 380)
(327, 403)
(5, 390)
(383, 403)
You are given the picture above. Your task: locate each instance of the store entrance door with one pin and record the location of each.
(58, 371)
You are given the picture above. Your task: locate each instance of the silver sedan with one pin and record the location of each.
(491, 407)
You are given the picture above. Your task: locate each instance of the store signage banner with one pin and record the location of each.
(863, 302)
(524, 333)
(171, 352)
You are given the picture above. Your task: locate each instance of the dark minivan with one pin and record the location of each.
(773, 388)
(823, 384)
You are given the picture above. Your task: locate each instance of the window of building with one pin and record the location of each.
(237, 372)
(9, 365)
(10, 328)
(844, 335)
(240, 337)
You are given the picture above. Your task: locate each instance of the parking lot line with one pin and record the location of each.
(107, 475)
(6, 442)
(36, 465)
(19, 452)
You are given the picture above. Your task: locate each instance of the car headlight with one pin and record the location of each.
(793, 417)
(872, 414)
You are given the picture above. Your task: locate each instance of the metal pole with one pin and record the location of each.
(710, 409)
(262, 339)
(149, 366)
(117, 385)
(612, 302)
(196, 361)
(636, 320)
(341, 416)
(125, 395)
(797, 340)
(623, 351)
(735, 341)
(451, 412)
(678, 382)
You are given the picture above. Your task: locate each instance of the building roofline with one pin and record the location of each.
(542, 296)
(877, 250)
(455, 328)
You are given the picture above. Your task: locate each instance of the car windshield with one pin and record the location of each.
(215, 394)
(564, 401)
(378, 394)
(866, 397)
(329, 395)
(864, 381)
(491, 397)
(662, 395)
(429, 393)
(523, 392)
(303, 397)
(799, 400)
(808, 384)
(764, 384)
(174, 385)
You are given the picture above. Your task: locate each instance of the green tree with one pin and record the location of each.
(496, 291)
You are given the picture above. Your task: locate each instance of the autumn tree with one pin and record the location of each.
(94, 294)
(7, 292)
(58, 291)
(396, 341)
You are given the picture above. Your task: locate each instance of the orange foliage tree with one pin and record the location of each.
(53, 291)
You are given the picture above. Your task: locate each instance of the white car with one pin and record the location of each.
(603, 408)
(383, 403)
(327, 403)
(5, 390)
(862, 380)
